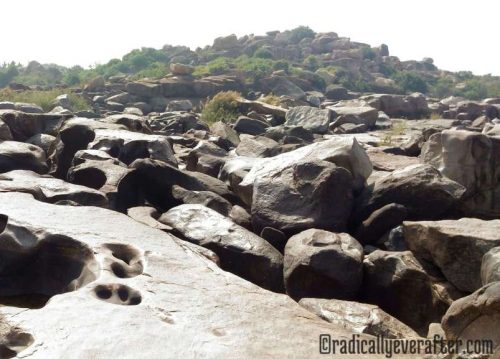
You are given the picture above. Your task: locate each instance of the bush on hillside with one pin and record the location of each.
(222, 107)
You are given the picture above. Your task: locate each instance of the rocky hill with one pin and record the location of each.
(244, 214)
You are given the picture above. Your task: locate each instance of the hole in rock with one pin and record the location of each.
(90, 177)
(129, 261)
(118, 294)
(12, 339)
(57, 264)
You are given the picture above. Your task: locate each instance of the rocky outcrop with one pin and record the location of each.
(310, 118)
(164, 299)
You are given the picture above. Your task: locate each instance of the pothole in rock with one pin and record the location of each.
(13, 340)
(32, 270)
(117, 294)
(125, 261)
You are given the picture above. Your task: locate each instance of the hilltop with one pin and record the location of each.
(301, 58)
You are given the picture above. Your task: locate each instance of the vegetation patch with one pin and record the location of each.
(222, 107)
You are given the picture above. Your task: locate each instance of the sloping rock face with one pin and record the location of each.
(19, 155)
(240, 251)
(141, 287)
(471, 159)
(457, 247)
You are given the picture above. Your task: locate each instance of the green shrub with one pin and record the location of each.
(410, 82)
(311, 63)
(263, 53)
(222, 107)
(281, 65)
(44, 99)
(300, 33)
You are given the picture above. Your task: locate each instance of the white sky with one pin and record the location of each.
(459, 35)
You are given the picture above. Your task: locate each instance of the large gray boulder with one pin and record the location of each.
(413, 106)
(341, 151)
(311, 118)
(457, 247)
(323, 264)
(303, 195)
(240, 251)
(422, 189)
(470, 159)
(142, 288)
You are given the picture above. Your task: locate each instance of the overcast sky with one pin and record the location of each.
(85, 32)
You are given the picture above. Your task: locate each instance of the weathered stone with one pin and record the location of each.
(240, 251)
(49, 189)
(23, 125)
(303, 195)
(359, 317)
(258, 146)
(148, 216)
(475, 317)
(490, 266)
(455, 246)
(206, 157)
(399, 284)
(380, 222)
(250, 126)
(205, 198)
(181, 69)
(164, 308)
(323, 264)
(470, 159)
(21, 156)
(343, 152)
(227, 134)
(422, 189)
(310, 118)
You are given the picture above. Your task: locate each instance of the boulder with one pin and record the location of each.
(22, 156)
(323, 264)
(205, 198)
(457, 247)
(476, 317)
(258, 146)
(310, 118)
(413, 106)
(380, 222)
(181, 69)
(470, 159)
(25, 125)
(422, 189)
(5, 134)
(359, 317)
(229, 137)
(341, 151)
(240, 251)
(400, 285)
(368, 114)
(250, 126)
(303, 195)
(206, 157)
(148, 216)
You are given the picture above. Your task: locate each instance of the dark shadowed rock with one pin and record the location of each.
(380, 222)
(250, 126)
(307, 194)
(422, 189)
(240, 251)
(22, 156)
(274, 236)
(398, 283)
(205, 198)
(323, 264)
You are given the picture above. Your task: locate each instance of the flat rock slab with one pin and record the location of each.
(182, 305)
